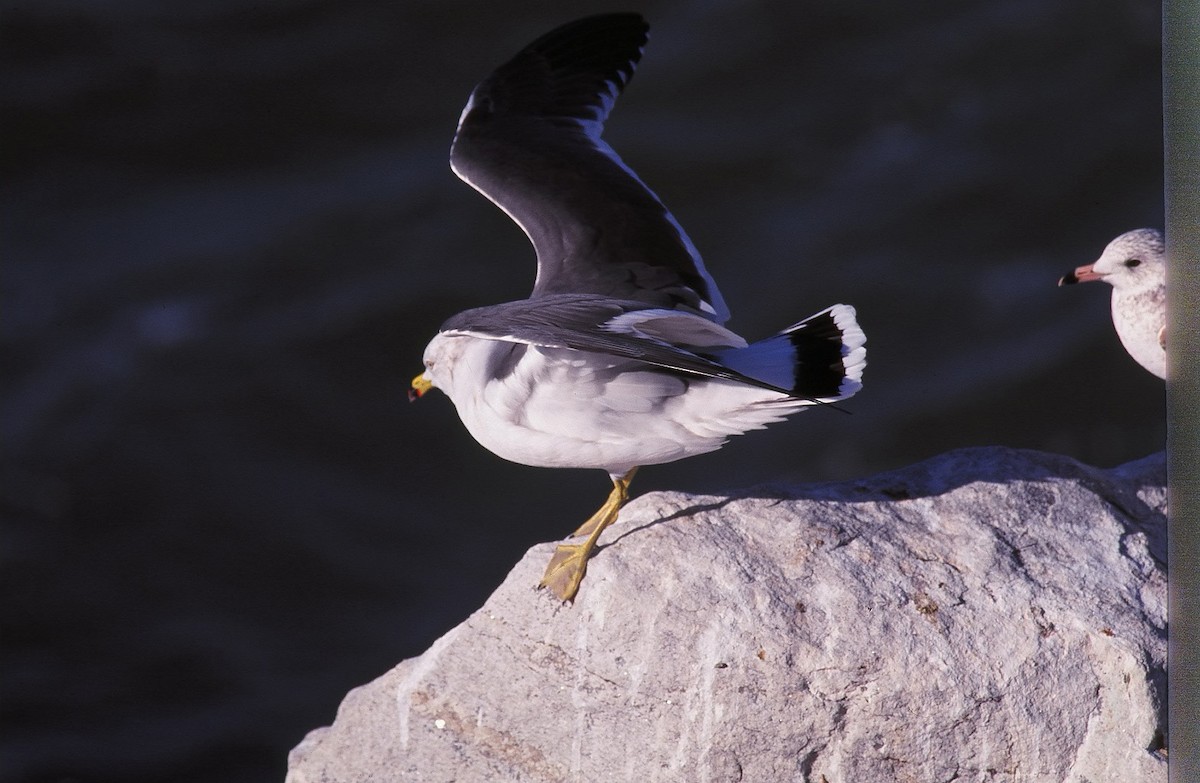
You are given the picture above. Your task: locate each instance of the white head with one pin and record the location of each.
(1134, 264)
(461, 364)
(440, 357)
(1134, 261)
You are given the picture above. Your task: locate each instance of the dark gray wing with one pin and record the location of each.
(529, 140)
(593, 324)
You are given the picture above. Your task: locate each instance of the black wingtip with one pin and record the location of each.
(593, 27)
(566, 72)
(826, 365)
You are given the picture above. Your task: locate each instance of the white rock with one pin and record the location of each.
(990, 614)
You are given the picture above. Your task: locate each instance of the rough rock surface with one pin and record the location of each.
(987, 615)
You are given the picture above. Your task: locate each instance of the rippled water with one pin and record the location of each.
(230, 228)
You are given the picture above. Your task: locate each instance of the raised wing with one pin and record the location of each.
(529, 140)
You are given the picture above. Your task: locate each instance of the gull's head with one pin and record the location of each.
(1136, 260)
(439, 359)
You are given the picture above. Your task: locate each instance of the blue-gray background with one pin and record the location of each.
(229, 229)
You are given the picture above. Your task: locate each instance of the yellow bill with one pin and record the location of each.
(420, 385)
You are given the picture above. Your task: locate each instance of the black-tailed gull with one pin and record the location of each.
(619, 357)
(1135, 265)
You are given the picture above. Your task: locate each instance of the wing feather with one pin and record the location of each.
(599, 325)
(529, 140)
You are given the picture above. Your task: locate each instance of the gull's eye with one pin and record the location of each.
(1132, 262)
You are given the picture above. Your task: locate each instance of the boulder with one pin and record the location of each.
(989, 614)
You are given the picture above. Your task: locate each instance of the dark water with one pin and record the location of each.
(229, 229)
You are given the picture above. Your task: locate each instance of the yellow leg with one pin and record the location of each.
(569, 563)
(616, 499)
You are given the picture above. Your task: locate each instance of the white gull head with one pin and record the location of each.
(1135, 265)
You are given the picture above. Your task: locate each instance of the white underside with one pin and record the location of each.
(1139, 317)
(563, 408)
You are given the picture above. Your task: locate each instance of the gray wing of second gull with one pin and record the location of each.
(529, 140)
(580, 322)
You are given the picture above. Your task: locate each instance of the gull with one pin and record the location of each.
(1135, 265)
(619, 358)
